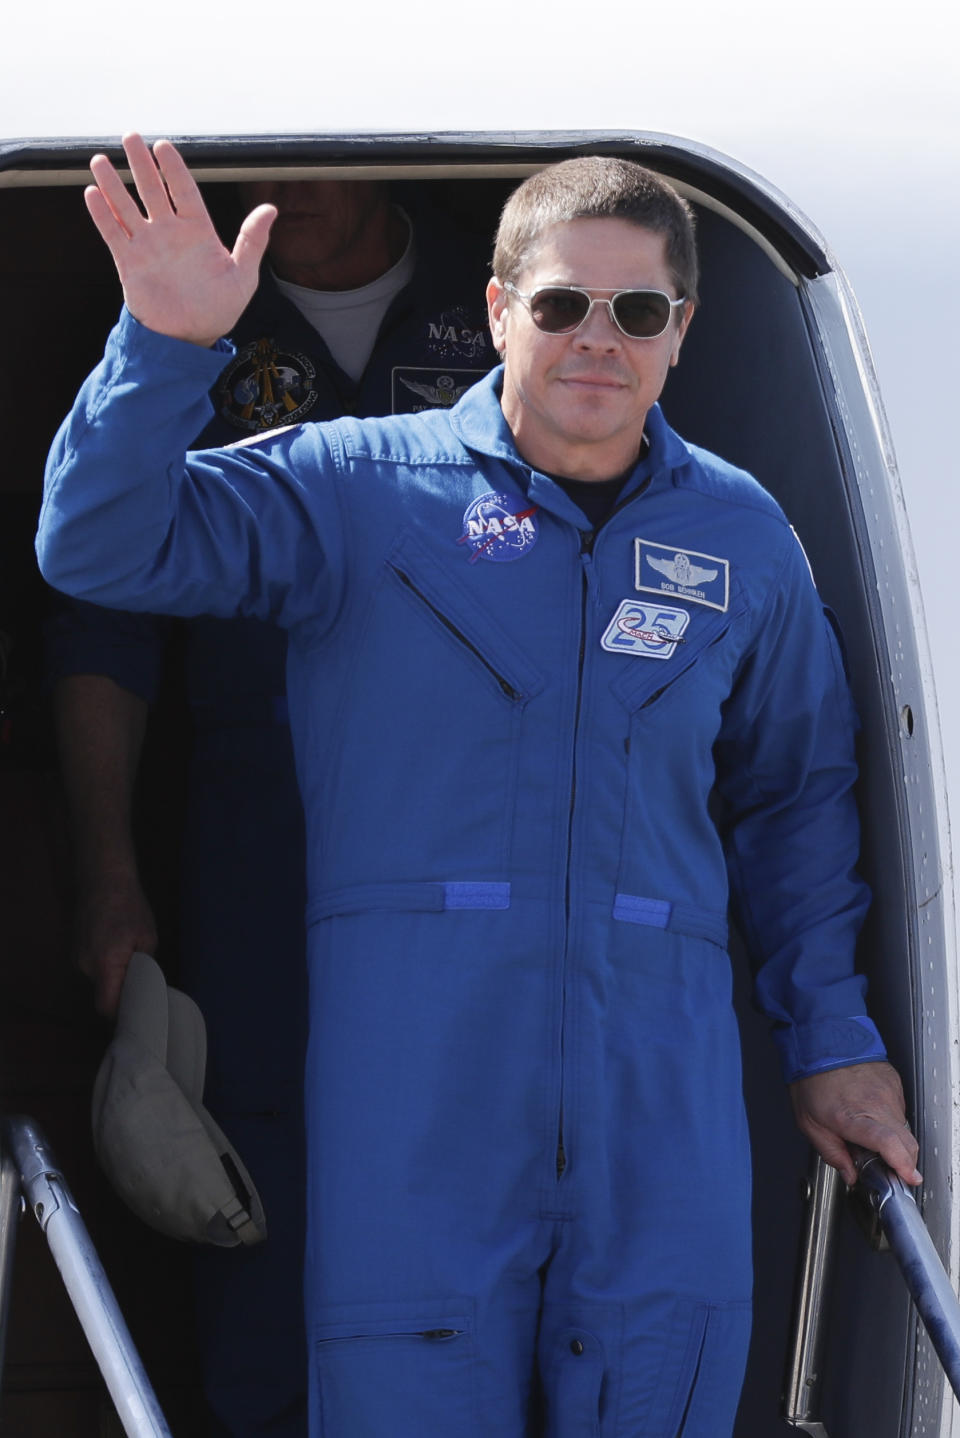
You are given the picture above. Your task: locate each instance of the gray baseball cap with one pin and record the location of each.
(156, 1142)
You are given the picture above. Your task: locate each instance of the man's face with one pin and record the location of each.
(577, 403)
(320, 224)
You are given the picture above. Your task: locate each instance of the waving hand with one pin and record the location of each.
(177, 276)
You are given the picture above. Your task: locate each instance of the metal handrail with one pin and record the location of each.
(11, 1201)
(898, 1218)
(801, 1398)
(912, 1247)
(29, 1168)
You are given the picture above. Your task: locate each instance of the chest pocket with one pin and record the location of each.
(432, 715)
(459, 621)
(643, 682)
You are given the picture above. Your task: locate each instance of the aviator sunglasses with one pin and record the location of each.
(561, 309)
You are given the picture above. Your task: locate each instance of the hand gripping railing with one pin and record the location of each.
(893, 1206)
(28, 1169)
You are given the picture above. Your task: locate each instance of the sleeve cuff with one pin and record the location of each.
(832, 1043)
(135, 338)
(82, 638)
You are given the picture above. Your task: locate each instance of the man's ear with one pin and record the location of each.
(497, 314)
(688, 312)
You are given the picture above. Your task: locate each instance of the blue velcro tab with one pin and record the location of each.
(476, 896)
(830, 1044)
(688, 919)
(655, 913)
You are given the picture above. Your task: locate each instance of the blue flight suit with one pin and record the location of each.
(536, 764)
(242, 888)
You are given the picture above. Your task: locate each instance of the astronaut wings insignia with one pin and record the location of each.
(416, 387)
(440, 395)
(681, 571)
(684, 573)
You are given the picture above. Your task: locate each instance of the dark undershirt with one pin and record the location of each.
(597, 497)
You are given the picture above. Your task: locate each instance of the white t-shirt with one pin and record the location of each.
(349, 320)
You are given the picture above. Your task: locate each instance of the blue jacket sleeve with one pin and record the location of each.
(130, 520)
(786, 771)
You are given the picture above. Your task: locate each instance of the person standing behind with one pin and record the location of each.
(358, 311)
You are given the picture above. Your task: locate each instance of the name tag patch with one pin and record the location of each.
(415, 388)
(650, 631)
(699, 578)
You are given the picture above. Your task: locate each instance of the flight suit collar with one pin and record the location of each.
(479, 423)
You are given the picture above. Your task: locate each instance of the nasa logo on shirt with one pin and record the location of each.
(684, 573)
(454, 333)
(266, 386)
(499, 528)
(649, 631)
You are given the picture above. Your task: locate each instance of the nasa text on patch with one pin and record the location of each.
(650, 631)
(684, 573)
(498, 527)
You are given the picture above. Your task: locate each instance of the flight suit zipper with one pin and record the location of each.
(588, 539)
(430, 1335)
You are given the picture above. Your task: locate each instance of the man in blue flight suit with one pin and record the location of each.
(358, 312)
(530, 638)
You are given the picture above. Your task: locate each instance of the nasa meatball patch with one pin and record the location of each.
(499, 527)
(683, 573)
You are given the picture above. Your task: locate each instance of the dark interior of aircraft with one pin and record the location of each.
(752, 387)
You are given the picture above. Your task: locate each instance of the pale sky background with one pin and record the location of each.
(852, 109)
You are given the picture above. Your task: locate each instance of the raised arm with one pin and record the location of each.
(177, 276)
(132, 518)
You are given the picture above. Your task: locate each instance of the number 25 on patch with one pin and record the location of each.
(649, 631)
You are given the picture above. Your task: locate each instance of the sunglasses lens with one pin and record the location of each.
(642, 314)
(556, 312)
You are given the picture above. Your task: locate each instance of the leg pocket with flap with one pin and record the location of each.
(406, 1372)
